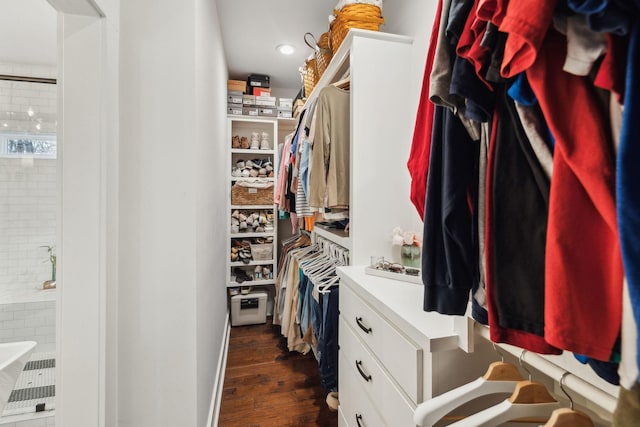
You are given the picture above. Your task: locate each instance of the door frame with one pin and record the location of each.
(87, 131)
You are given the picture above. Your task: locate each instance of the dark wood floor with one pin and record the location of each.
(265, 385)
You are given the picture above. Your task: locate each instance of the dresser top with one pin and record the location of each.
(401, 303)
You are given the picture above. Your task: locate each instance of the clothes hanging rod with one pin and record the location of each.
(27, 79)
(597, 396)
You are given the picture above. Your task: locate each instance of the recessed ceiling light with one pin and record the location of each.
(285, 49)
(30, 112)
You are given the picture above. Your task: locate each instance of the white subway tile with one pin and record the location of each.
(12, 324)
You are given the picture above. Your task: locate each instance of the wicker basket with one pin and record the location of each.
(363, 16)
(247, 195)
(310, 75)
(323, 53)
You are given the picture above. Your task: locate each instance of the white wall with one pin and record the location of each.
(211, 247)
(171, 305)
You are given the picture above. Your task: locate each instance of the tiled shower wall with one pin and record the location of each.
(30, 321)
(28, 192)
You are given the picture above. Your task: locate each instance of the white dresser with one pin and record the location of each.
(393, 355)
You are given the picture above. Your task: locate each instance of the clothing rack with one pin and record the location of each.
(598, 400)
(333, 249)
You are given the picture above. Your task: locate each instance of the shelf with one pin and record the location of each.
(251, 283)
(252, 206)
(240, 178)
(246, 235)
(335, 235)
(250, 151)
(242, 264)
(340, 62)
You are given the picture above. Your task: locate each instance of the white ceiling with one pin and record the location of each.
(28, 32)
(251, 30)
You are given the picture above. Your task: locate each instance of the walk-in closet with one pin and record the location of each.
(343, 213)
(453, 217)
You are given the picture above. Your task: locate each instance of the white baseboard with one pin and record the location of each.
(216, 396)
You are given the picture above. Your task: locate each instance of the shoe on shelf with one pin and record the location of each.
(235, 142)
(264, 142)
(257, 272)
(244, 143)
(255, 141)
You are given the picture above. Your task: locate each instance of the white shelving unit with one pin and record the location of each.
(245, 127)
(381, 132)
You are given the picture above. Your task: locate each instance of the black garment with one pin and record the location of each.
(449, 258)
(466, 84)
(458, 14)
(520, 206)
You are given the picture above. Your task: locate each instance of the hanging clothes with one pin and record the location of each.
(329, 177)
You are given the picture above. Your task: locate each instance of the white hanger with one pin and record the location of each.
(529, 399)
(326, 287)
(501, 377)
(507, 411)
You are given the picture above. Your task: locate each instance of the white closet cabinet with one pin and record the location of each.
(392, 354)
(381, 131)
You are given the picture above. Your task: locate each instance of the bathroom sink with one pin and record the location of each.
(13, 357)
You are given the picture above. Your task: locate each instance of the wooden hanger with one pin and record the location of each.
(530, 399)
(502, 371)
(500, 378)
(343, 84)
(565, 417)
(528, 391)
(568, 417)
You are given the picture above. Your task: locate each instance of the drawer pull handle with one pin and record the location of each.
(364, 375)
(358, 419)
(362, 326)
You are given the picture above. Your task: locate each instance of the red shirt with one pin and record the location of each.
(526, 22)
(418, 163)
(583, 277)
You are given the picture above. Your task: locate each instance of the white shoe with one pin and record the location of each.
(255, 143)
(264, 144)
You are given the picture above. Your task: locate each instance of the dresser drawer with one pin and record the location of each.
(355, 405)
(342, 421)
(401, 357)
(360, 367)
